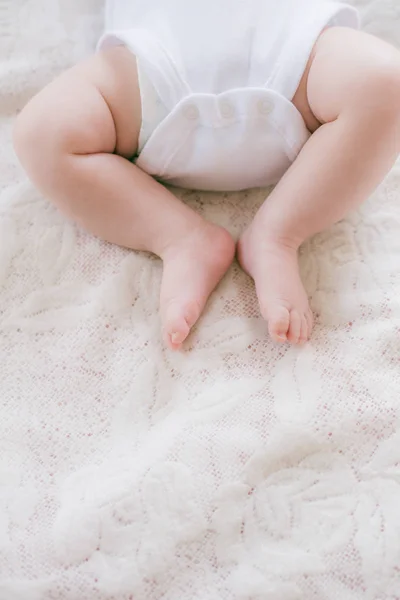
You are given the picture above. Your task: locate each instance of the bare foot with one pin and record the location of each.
(193, 266)
(281, 294)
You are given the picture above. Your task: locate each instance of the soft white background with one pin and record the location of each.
(233, 470)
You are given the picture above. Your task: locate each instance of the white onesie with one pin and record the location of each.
(217, 78)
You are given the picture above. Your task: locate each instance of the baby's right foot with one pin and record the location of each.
(193, 266)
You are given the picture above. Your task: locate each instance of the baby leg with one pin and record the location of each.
(74, 139)
(353, 90)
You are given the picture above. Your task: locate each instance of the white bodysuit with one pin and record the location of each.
(217, 78)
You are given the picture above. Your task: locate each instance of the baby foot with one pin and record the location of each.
(193, 266)
(281, 294)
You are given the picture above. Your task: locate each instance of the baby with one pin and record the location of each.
(218, 95)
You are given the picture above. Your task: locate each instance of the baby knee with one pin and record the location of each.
(380, 92)
(34, 143)
(24, 135)
(385, 83)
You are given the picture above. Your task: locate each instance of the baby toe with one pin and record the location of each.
(278, 323)
(176, 334)
(295, 327)
(175, 328)
(179, 319)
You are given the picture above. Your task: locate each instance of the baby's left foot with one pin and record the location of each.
(281, 294)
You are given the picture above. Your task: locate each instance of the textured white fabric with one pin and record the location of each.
(223, 74)
(235, 470)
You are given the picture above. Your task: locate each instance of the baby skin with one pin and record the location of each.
(75, 139)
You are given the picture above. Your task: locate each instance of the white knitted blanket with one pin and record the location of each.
(235, 470)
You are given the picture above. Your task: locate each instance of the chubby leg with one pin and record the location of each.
(74, 139)
(352, 89)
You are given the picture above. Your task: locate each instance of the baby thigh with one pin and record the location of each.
(353, 73)
(350, 98)
(75, 138)
(82, 113)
